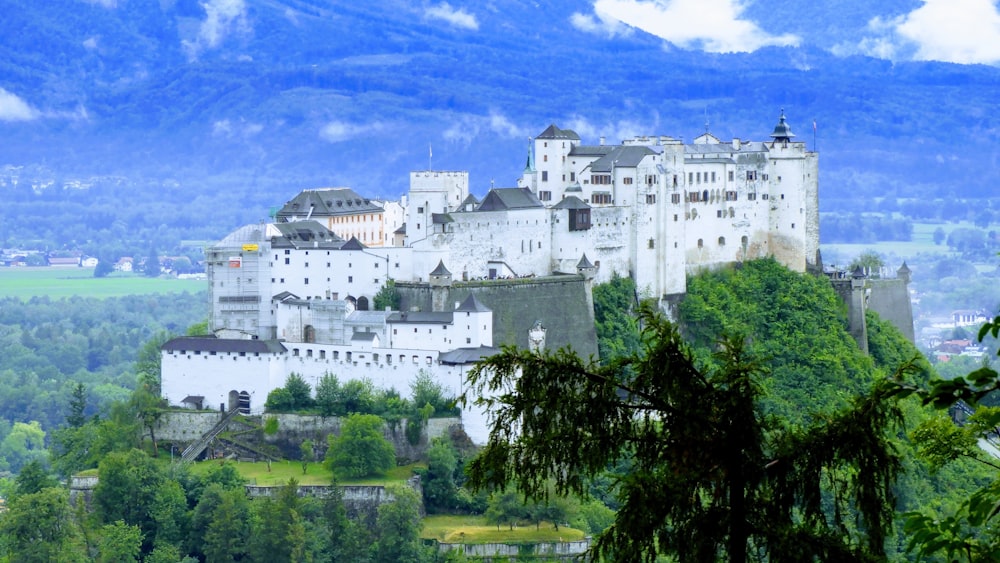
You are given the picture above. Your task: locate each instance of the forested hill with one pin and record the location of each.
(176, 120)
(797, 327)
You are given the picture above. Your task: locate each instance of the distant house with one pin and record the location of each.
(124, 264)
(89, 262)
(64, 261)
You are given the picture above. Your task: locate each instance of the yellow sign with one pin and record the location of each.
(250, 248)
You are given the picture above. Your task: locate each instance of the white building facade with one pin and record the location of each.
(295, 296)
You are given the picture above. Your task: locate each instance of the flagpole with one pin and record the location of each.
(814, 136)
(430, 157)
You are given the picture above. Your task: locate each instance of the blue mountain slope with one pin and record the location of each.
(286, 94)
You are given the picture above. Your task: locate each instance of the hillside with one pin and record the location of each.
(178, 120)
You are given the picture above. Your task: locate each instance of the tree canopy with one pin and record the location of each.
(712, 476)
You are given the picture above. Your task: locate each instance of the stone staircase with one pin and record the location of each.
(197, 447)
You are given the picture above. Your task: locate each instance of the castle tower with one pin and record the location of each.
(475, 321)
(793, 188)
(903, 273)
(585, 268)
(440, 282)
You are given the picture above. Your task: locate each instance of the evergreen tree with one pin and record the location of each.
(398, 526)
(712, 476)
(151, 268)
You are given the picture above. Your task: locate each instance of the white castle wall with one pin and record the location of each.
(215, 376)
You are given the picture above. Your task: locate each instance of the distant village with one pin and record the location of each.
(178, 266)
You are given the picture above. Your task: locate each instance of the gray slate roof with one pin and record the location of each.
(301, 234)
(467, 355)
(472, 305)
(213, 344)
(621, 157)
(591, 150)
(420, 317)
(325, 202)
(441, 270)
(502, 199)
(553, 132)
(571, 202)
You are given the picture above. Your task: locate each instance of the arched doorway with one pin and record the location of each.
(244, 402)
(309, 334)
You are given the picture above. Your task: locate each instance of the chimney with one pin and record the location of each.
(602, 140)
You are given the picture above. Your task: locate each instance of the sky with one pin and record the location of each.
(957, 31)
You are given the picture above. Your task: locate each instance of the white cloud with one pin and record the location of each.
(228, 129)
(613, 132)
(599, 22)
(13, 108)
(222, 17)
(455, 16)
(957, 31)
(339, 131)
(710, 25)
(104, 3)
(90, 43)
(468, 127)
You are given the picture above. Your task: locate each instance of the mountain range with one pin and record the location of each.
(242, 103)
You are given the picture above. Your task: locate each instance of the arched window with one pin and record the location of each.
(722, 241)
(362, 303)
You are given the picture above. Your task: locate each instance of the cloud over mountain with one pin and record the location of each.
(13, 108)
(454, 16)
(222, 18)
(710, 25)
(955, 31)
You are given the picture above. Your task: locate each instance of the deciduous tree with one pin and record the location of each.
(361, 449)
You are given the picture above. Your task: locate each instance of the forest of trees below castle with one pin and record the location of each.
(92, 418)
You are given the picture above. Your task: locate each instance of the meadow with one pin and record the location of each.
(57, 283)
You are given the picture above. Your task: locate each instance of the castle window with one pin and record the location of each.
(282, 280)
(675, 198)
(420, 210)
(731, 195)
(307, 281)
(348, 356)
(675, 217)
(309, 353)
(627, 180)
(730, 175)
(545, 158)
(322, 354)
(752, 196)
(690, 177)
(650, 243)
(601, 198)
(601, 179)
(388, 359)
(468, 341)
(545, 195)
(295, 351)
(713, 177)
(375, 358)
(697, 177)
(701, 243)
(718, 214)
(572, 176)
(722, 241)
(704, 195)
(287, 252)
(287, 260)
(545, 175)
(350, 279)
(652, 179)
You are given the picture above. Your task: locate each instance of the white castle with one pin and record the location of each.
(296, 295)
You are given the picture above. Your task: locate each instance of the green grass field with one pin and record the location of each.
(256, 473)
(474, 529)
(57, 283)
